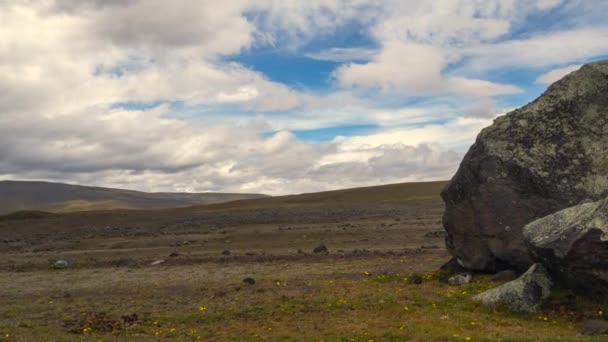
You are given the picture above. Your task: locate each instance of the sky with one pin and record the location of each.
(271, 96)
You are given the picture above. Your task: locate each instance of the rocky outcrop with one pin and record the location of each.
(534, 161)
(573, 245)
(524, 294)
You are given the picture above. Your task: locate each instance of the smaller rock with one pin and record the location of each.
(174, 254)
(124, 262)
(226, 252)
(506, 275)
(249, 281)
(524, 294)
(131, 319)
(435, 234)
(449, 269)
(428, 247)
(320, 249)
(61, 264)
(300, 251)
(414, 279)
(595, 327)
(460, 279)
(157, 262)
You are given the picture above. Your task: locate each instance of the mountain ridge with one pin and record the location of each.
(18, 195)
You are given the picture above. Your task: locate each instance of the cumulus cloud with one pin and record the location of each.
(147, 95)
(556, 74)
(540, 50)
(415, 69)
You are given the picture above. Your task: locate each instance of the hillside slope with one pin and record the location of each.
(58, 197)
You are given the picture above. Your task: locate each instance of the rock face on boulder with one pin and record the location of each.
(531, 162)
(573, 245)
(524, 294)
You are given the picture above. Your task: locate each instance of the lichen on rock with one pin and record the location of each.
(531, 162)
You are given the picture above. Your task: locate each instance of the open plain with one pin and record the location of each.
(248, 271)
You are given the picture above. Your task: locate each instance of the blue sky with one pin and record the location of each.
(272, 96)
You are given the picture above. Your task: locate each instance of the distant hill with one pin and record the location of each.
(58, 197)
(379, 195)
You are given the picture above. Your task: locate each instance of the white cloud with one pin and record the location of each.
(556, 74)
(467, 129)
(414, 69)
(343, 54)
(66, 64)
(540, 50)
(547, 4)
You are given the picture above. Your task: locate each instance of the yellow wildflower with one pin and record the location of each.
(202, 308)
(600, 313)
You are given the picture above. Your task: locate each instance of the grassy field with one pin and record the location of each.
(378, 241)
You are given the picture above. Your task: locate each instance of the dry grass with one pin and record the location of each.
(358, 292)
(330, 301)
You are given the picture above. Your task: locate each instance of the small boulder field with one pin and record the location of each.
(531, 197)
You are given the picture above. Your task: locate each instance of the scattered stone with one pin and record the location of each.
(449, 269)
(320, 249)
(124, 262)
(436, 234)
(595, 327)
(524, 294)
(181, 243)
(157, 262)
(460, 279)
(61, 264)
(249, 281)
(506, 275)
(429, 247)
(226, 252)
(300, 251)
(130, 320)
(414, 279)
(536, 160)
(174, 254)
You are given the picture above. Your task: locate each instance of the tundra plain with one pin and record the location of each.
(246, 271)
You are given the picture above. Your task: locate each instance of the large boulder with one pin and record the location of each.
(573, 245)
(524, 294)
(531, 162)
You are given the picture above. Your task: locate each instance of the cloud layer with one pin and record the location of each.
(152, 95)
